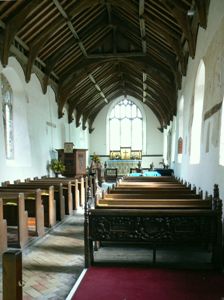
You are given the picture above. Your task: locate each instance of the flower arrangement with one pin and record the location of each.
(57, 166)
(96, 158)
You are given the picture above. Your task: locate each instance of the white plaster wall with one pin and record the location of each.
(210, 49)
(37, 129)
(152, 144)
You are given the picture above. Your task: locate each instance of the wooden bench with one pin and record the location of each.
(79, 186)
(78, 189)
(16, 216)
(150, 178)
(3, 230)
(33, 206)
(57, 190)
(47, 199)
(154, 203)
(67, 190)
(199, 225)
(152, 195)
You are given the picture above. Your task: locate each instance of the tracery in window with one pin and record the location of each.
(7, 114)
(125, 126)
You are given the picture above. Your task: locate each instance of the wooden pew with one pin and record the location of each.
(3, 230)
(150, 179)
(16, 215)
(150, 191)
(57, 189)
(47, 199)
(195, 226)
(76, 187)
(159, 185)
(151, 195)
(33, 205)
(67, 186)
(79, 186)
(154, 203)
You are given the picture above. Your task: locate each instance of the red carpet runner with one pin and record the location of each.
(123, 283)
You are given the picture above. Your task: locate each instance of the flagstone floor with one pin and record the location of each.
(52, 264)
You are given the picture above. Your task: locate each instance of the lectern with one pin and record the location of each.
(75, 162)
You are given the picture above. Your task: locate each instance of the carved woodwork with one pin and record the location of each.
(156, 227)
(75, 162)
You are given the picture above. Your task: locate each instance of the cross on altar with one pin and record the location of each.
(125, 154)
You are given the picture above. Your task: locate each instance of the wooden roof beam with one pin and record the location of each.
(183, 20)
(98, 88)
(38, 44)
(202, 7)
(142, 24)
(70, 26)
(13, 26)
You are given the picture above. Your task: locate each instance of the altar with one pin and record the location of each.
(123, 166)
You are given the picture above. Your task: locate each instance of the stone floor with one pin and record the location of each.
(52, 264)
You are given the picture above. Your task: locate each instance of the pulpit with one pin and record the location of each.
(75, 162)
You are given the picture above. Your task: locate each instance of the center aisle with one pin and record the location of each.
(53, 264)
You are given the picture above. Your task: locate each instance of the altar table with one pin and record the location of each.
(123, 166)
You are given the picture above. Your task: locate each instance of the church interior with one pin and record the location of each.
(111, 110)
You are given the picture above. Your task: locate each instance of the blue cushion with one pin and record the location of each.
(151, 173)
(135, 174)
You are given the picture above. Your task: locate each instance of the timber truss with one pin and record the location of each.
(92, 51)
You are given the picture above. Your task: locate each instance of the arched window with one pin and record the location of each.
(221, 147)
(173, 148)
(197, 115)
(180, 129)
(125, 126)
(7, 114)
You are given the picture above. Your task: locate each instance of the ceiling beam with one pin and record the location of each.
(202, 8)
(98, 88)
(13, 26)
(184, 21)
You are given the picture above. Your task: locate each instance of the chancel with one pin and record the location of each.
(124, 160)
(112, 144)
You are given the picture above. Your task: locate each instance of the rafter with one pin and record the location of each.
(12, 27)
(202, 7)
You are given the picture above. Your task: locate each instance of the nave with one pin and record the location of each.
(52, 265)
